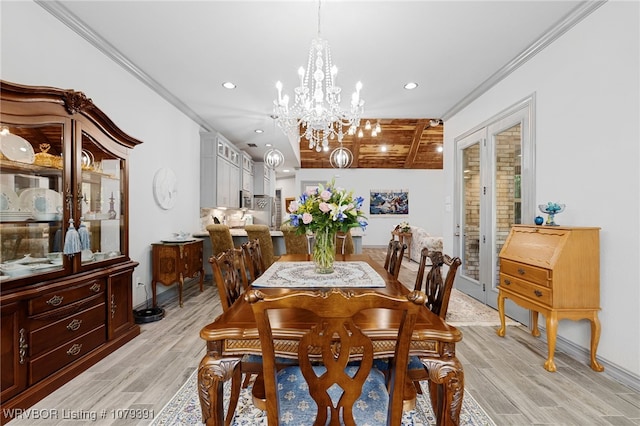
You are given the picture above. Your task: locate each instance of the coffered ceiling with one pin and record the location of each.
(454, 50)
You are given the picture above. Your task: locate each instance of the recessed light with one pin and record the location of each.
(268, 145)
(439, 148)
(383, 148)
(228, 85)
(258, 130)
(286, 170)
(410, 86)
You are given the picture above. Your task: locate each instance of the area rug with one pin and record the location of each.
(184, 409)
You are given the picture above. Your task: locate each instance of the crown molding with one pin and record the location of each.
(64, 15)
(580, 12)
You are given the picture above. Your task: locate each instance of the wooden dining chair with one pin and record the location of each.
(438, 292)
(229, 273)
(395, 254)
(253, 259)
(326, 355)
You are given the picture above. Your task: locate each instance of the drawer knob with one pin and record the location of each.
(537, 293)
(507, 282)
(55, 300)
(74, 350)
(95, 288)
(521, 271)
(74, 325)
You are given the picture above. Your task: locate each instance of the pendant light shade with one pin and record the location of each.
(341, 158)
(273, 159)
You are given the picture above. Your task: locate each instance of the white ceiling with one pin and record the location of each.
(185, 50)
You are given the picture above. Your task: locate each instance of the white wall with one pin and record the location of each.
(425, 188)
(587, 132)
(37, 49)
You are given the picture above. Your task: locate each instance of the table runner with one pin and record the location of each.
(302, 275)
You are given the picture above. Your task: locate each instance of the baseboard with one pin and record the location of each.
(170, 294)
(613, 371)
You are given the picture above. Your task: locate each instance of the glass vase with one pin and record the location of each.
(324, 251)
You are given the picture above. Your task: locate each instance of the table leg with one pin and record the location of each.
(180, 287)
(154, 284)
(212, 373)
(446, 387)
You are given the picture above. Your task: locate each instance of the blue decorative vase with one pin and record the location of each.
(539, 220)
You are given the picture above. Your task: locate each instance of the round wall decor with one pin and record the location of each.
(165, 189)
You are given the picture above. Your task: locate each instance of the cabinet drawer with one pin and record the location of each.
(526, 272)
(50, 362)
(48, 334)
(66, 296)
(526, 289)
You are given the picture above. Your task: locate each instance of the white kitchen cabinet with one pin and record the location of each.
(219, 171)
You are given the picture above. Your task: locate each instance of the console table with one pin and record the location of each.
(404, 238)
(173, 262)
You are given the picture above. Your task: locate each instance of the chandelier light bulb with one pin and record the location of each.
(367, 125)
(378, 128)
(360, 133)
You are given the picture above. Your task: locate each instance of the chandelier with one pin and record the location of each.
(316, 112)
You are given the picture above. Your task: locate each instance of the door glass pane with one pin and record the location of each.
(508, 149)
(102, 220)
(31, 199)
(471, 200)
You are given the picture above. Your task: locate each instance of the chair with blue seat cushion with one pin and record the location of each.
(327, 387)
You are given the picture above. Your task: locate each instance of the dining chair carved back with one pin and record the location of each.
(221, 239)
(395, 254)
(229, 273)
(438, 293)
(262, 233)
(326, 353)
(253, 259)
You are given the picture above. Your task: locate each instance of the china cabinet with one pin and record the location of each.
(553, 270)
(65, 271)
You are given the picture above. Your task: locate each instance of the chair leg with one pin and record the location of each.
(235, 395)
(416, 383)
(247, 379)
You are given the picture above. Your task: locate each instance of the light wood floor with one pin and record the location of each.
(505, 375)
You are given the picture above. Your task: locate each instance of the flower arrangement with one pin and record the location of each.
(326, 208)
(404, 227)
(323, 212)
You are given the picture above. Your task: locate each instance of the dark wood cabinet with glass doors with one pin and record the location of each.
(65, 302)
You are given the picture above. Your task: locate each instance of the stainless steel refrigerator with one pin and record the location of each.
(264, 210)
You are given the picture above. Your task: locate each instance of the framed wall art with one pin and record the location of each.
(389, 202)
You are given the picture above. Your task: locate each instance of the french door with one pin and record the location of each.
(494, 190)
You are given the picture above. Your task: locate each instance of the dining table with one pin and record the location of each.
(234, 333)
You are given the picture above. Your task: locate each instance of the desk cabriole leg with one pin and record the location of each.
(595, 339)
(446, 387)
(503, 329)
(180, 287)
(535, 331)
(552, 330)
(212, 373)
